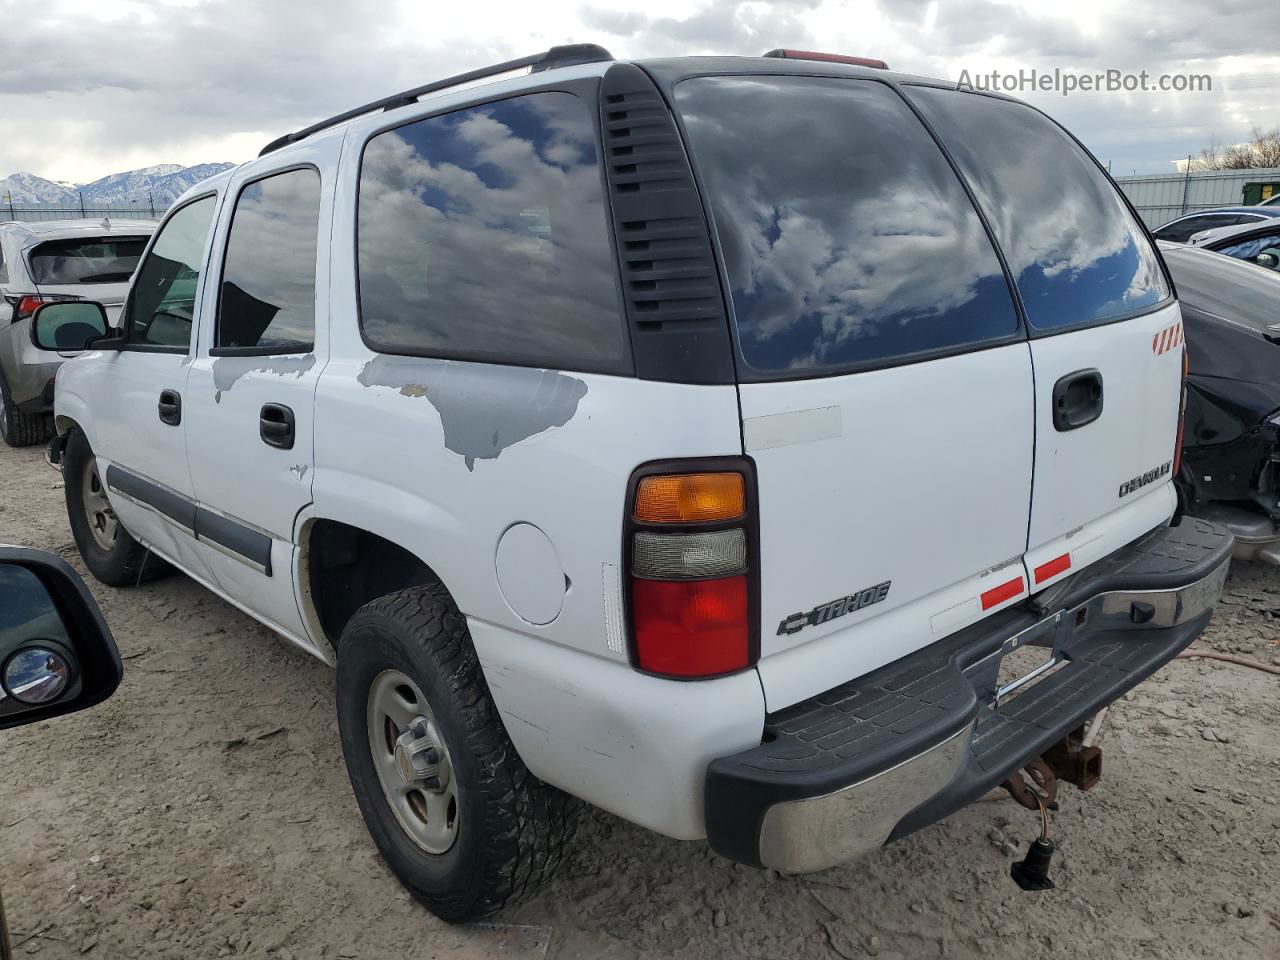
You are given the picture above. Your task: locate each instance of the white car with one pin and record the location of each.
(45, 261)
(613, 447)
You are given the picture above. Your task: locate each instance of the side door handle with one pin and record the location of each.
(170, 407)
(1077, 400)
(275, 426)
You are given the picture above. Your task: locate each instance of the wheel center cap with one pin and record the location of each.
(404, 765)
(418, 758)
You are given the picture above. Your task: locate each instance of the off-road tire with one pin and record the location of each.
(128, 563)
(512, 828)
(19, 429)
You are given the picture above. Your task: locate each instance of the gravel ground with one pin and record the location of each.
(205, 812)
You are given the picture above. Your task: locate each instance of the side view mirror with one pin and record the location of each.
(1269, 258)
(68, 325)
(56, 653)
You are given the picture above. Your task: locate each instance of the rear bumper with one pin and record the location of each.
(881, 756)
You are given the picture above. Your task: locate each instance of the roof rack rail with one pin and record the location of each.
(564, 56)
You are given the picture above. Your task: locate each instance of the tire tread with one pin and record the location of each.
(530, 823)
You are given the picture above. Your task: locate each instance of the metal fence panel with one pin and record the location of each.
(1159, 197)
(97, 211)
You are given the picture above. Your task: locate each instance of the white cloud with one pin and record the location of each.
(99, 86)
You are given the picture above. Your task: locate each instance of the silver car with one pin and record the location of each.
(54, 260)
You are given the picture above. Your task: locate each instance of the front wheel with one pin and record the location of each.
(451, 807)
(108, 551)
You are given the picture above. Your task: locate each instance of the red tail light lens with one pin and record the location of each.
(691, 543)
(24, 304)
(691, 628)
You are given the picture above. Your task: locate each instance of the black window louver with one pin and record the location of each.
(675, 309)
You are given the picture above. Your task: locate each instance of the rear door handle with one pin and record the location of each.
(1077, 400)
(275, 426)
(170, 407)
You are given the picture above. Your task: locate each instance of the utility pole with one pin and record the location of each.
(151, 196)
(9, 199)
(82, 213)
(1186, 184)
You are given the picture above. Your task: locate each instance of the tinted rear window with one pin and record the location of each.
(1077, 254)
(847, 237)
(86, 260)
(482, 236)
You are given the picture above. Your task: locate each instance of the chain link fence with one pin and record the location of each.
(134, 210)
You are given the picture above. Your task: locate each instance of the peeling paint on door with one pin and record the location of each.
(227, 370)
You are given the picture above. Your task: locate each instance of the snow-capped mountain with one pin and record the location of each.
(163, 183)
(28, 188)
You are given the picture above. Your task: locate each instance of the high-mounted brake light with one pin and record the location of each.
(783, 53)
(690, 545)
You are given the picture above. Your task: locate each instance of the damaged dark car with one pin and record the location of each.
(1230, 470)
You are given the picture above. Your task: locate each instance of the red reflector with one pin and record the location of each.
(690, 628)
(785, 54)
(998, 595)
(1053, 567)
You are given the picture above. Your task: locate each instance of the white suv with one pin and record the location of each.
(45, 261)
(707, 439)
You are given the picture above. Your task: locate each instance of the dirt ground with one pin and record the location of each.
(205, 812)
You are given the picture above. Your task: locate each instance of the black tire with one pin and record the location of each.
(512, 829)
(19, 429)
(127, 562)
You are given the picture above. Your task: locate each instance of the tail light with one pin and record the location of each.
(24, 304)
(1182, 413)
(691, 550)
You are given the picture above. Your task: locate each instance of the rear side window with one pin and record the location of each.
(86, 260)
(162, 300)
(482, 235)
(1077, 254)
(847, 238)
(267, 301)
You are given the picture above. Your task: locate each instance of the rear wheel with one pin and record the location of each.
(20, 429)
(451, 807)
(108, 551)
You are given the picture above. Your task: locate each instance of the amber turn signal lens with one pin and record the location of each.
(690, 498)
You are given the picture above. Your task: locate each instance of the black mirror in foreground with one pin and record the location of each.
(68, 325)
(56, 653)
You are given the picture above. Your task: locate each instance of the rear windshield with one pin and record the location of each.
(847, 239)
(86, 260)
(1077, 254)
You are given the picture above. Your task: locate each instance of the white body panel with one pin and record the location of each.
(925, 486)
(1079, 472)
(631, 744)
(234, 472)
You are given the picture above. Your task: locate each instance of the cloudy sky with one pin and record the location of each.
(91, 87)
